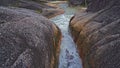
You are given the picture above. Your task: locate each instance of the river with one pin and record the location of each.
(69, 57)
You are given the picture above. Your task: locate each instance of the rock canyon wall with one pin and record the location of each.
(96, 32)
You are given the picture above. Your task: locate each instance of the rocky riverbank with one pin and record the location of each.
(97, 34)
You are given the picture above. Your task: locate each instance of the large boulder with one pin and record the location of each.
(27, 40)
(97, 35)
(36, 5)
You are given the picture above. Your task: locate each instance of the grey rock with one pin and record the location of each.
(96, 5)
(26, 39)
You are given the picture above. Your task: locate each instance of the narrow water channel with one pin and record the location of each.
(69, 57)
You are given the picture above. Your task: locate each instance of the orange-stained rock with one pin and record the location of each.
(57, 41)
(52, 12)
(97, 36)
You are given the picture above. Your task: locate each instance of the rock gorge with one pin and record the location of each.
(28, 39)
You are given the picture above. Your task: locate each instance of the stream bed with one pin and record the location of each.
(69, 57)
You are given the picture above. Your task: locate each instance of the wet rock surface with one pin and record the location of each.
(27, 40)
(97, 34)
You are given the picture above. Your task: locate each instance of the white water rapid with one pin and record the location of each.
(69, 57)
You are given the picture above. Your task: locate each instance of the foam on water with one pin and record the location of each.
(69, 57)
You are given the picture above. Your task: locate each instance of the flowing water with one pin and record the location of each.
(69, 57)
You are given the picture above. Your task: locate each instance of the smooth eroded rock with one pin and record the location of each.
(97, 36)
(27, 40)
